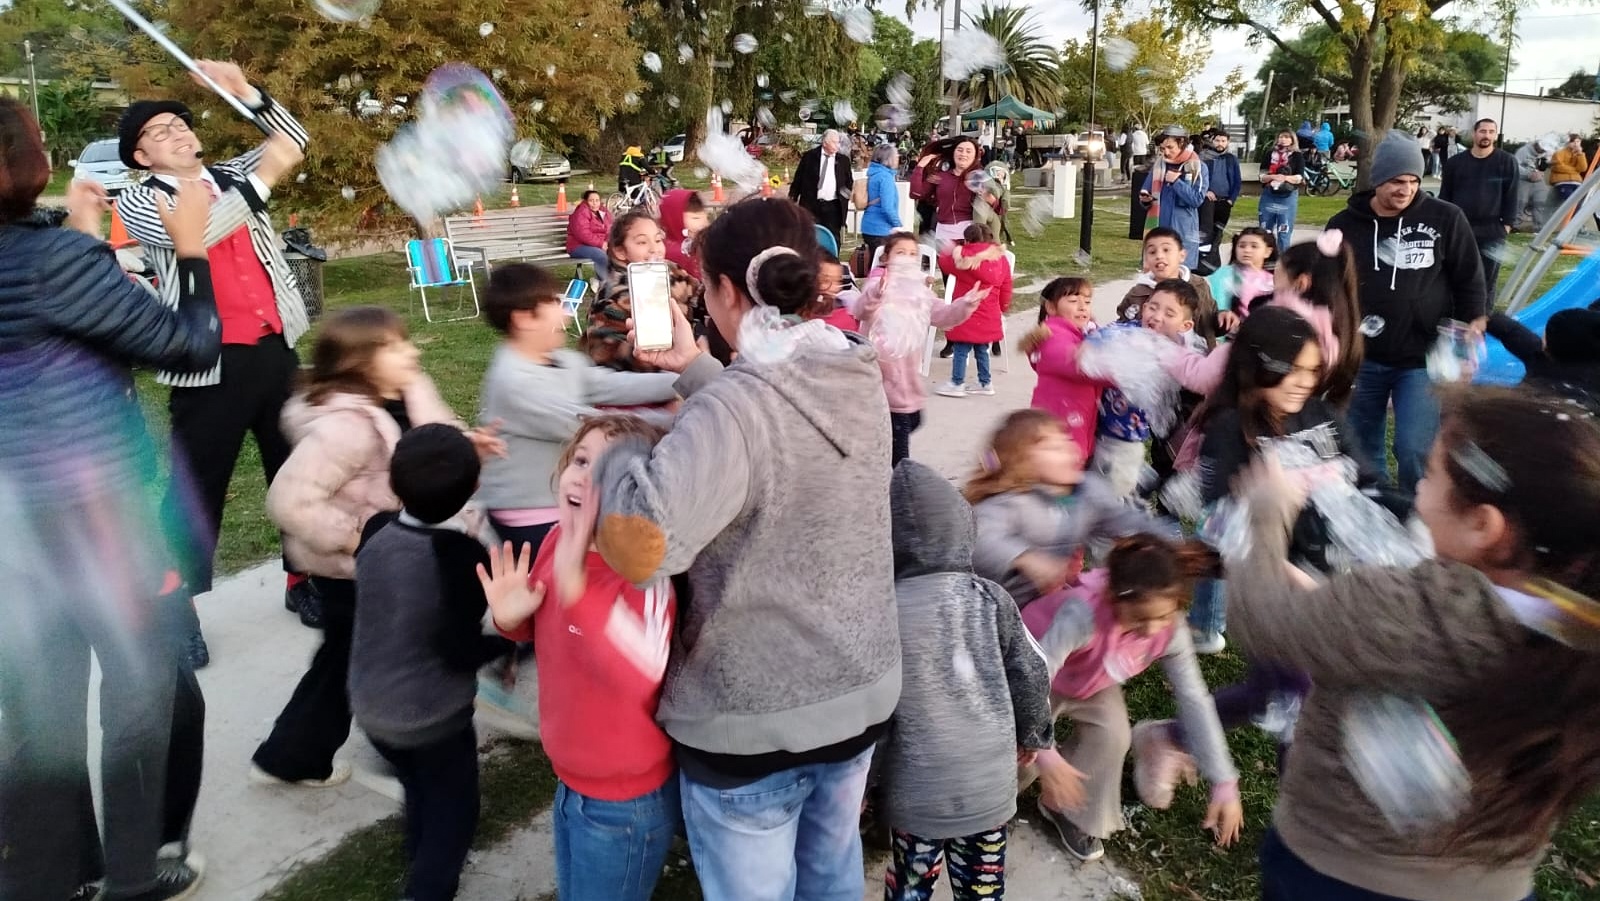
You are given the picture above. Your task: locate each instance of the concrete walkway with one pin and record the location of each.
(252, 836)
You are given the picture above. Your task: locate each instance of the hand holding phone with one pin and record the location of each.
(650, 294)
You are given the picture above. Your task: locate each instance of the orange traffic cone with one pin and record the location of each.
(294, 219)
(766, 187)
(716, 189)
(561, 197)
(516, 199)
(477, 209)
(119, 232)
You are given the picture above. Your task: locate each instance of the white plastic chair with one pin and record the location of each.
(1005, 340)
(933, 333)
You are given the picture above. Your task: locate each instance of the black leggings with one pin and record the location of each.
(901, 425)
(316, 721)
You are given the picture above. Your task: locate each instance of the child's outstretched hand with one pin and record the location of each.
(1224, 818)
(505, 586)
(486, 440)
(1047, 572)
(1060, 783)
(1228, 321)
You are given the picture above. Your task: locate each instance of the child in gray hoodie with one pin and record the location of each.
(975, 688)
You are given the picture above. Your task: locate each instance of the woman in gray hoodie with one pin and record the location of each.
(772, 492)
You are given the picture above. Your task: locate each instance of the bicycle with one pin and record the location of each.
(1328, 179)
(645, 195)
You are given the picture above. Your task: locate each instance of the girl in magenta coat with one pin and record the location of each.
(1065, 316)
(977, 263)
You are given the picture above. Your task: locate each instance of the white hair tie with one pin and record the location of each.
(752, 272)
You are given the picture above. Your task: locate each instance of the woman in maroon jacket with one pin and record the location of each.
(946, 181)
(587, 229)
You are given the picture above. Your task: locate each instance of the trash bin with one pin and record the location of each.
(305, 263)
(1136, 209)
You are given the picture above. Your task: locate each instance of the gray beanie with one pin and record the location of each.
(1396, 155)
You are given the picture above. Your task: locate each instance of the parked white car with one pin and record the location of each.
(674, 148)
(547, 166)
(99, 162)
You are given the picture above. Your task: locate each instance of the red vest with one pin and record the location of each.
(246, 303)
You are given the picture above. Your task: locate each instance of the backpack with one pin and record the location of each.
(858, 194)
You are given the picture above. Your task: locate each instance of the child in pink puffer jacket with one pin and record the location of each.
(1066, 317)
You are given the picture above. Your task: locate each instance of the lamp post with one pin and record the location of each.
(1094, 150)
(33, 81)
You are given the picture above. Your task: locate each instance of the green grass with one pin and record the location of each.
(59, 179)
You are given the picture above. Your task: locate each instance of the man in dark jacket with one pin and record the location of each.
(1223, 167)
(1483, 183)
(1418, 265)
(822, 183)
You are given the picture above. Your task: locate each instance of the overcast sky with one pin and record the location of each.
(1555, 39)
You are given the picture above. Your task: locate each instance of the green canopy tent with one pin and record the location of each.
(1009, 107)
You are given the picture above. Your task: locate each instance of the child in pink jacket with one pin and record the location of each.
(1066, 315)
(902, 376)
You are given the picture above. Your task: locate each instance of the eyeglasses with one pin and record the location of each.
(161, 133)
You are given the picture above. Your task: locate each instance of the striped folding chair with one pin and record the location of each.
(433, 264)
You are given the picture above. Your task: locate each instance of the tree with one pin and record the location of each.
(899, 50)
(561, 65)
(1031, 69)
(56, 28)
(1148, 87)
(70, 116)
(1308, 79)
(1580, 85)
(1380, 43)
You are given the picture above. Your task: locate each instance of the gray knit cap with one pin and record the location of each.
(1396, 155)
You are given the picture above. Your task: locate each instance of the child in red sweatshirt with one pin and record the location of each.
(600, 646)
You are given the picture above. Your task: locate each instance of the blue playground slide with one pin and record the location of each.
(1580, 288)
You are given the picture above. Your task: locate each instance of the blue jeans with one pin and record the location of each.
(958, 366)
(790, 836)
(1209, 611)
(595, 255)
(613, 850)
(1416, 419)
(1277, 213)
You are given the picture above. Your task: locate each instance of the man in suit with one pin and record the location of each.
(823, 181)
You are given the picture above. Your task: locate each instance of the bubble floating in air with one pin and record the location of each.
(765, 118)
(673, 101)
(347, 192)
(536, 106)
(857, 23)
(971, 50)
(300, 179)
(485, 29)
(630, 99)
(745, 43)
(843, 112)
(727, 107)
(342, 10)
(550, 71)
(685, 53)
(525, 153)
(762, 80)
(652, 61)
(1119, 52)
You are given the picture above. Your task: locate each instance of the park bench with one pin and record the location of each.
(526, 234)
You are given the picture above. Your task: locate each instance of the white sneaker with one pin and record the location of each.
(982, 391)
(382, 784)
(1208, 642)
(950, 389)
(339, 776)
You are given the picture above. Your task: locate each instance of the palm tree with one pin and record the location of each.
(1030, 71)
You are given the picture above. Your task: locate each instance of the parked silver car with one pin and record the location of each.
(99, 162)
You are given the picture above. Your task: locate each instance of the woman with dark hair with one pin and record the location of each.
(772, 492)
(79, 571)
(944, 180)
(587, 229)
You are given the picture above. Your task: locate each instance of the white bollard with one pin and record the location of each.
(1063, 205)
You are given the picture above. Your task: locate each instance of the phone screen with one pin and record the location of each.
(650, 292)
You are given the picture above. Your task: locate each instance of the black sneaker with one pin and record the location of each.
(175, 880)
(305, 600)
(994, 349)
(86, 892)
(195, 650)
(948, 352)
(1084, 847)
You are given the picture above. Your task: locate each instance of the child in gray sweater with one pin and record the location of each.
(975, 689)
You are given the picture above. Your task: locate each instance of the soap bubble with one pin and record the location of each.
(344, 10)
(652, 60)
(702, 172)
(980, 182)
(857, 23)
(816, 9)
(498, 74)
(788, 96)
(843, 112)
(899, 90)
(550, 71)
(456, 149)
(485, 29)
(788, 37)
(1372, 326)
(536, 106)
(745, 43)
(725, 155)
(673, 101)
(1388, 250)
(525, 153)
(1119, 52)
(685, 53)
(893, 118)
(630, 99)
(347, 192)
(1456, 354)
(205, 114)
(971, 50)
(765, 118)
(761, 80)
(1150, 93)
(300, 179)
(726, 107)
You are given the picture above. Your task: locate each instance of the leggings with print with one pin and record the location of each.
(977, 866)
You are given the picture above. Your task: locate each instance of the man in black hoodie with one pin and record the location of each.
(1418, 266)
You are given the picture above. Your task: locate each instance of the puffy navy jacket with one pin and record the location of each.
(72, 326)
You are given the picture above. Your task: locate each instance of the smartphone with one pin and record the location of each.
(650, 293)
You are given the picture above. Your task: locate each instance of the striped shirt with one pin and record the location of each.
(242, 202)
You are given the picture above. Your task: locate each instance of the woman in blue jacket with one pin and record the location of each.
(79, 570)
(882, 215)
